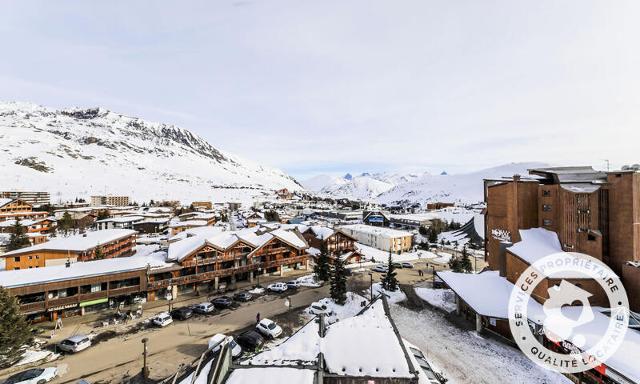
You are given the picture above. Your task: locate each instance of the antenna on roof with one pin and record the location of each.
(608, 164)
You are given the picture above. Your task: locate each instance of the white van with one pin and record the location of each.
(75, 343)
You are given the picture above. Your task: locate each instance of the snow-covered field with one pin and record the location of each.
(466, 357)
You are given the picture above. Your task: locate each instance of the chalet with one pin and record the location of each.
(176, 227)
(14, 206)
(335, 242)
(375, 218)
(202, 205)
(106, 244)
(284, 194)
(151, 225)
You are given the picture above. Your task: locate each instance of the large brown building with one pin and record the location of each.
(89, 246)
(592, 212)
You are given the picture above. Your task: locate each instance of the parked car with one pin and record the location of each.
(33, 376)
(222, 302)
(216, 342)
(319, 309)
(250, 341)
(277, 287)
(397, 265)
(293, 284)
(204, 308)
(75, 344)
(269, 328)
(243, 296)
(182, 313)
(407, 264)
(380, 268)
(162, 319)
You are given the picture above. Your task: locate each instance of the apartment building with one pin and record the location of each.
(118, 201)
(31, 197)
(385, 239)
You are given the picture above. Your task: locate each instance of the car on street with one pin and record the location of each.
(293, 284)
(269, 328)
(217, 340)
(204, 308)
(319, 309)
(162, 319)
(277, 287)
(182, 313)
(250, 341)
(75, 344)
(380, 268)
(407, 264)
(397, 265)
(33, 376)
(243, 296)
(222, 302)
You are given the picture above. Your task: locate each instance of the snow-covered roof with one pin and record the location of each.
(362, 345)
(78, 243)
(487, 293)
(183, 248)
(121, 219)
(4, 202)
(188, 223)
(271, 375)
(22, 277)
(377, 231)
(536, 243)
(321, 232)
(290, 237)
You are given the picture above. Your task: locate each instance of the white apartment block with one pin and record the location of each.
(381, 238)
(120, 201)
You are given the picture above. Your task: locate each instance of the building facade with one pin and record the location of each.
(31, 197)
(118, 201)
(385, 239)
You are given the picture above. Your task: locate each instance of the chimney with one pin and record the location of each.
(516, 177)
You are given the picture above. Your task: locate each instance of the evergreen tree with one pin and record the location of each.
(455, 265)
(423, 231)
(389, 281)
(18, 237)
(65, 223)
(99, 254)
(321, 269)
(338, 278)
(15, 332)
(433, 236)
(465, 261)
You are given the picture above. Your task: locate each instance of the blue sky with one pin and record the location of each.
(347, 86)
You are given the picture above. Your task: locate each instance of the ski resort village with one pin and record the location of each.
(320, 192)
(373, 278)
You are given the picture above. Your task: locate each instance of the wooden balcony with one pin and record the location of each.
(123, 290)
(32, 307)
(93, 295)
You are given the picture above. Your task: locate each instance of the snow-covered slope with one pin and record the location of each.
(364, 187)
(464, 188)
(81, 152)
(391, 188)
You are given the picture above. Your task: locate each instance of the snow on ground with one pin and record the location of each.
(466, 357)
(308, 281)
(257, 291)
(351, 307)
(441, 298)
(442, 258)
(392, 297)
(31, 356)
(383, 256)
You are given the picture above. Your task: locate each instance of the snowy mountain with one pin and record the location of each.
(392, 188)
(82, 152)
(365, 186)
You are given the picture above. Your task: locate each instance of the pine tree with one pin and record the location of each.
(103, 214)
(433, 236)
(321, 268)
(465, 261)
(98, 254)
(65, 223)
(18, 237)
(389, 281)
(338, 278)
(15, 332)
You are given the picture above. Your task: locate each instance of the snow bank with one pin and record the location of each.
(444, 299)
(392, 296)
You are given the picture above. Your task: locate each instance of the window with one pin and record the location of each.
(546, 207)
(16, 259)
(546, 193)
(591, 237)
(547, 222)
(30, 257)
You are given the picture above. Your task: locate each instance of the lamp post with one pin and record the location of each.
(371, 285)
(258, 276)
(145, 369)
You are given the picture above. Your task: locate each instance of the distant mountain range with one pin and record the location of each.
(81, 152)
(394, 188)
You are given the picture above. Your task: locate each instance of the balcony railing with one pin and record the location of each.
(93, 295)
(124, 290)
(31, 307)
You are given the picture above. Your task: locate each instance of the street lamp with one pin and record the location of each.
(371, 285)
(145, 369)
(258, 276)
